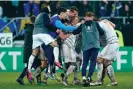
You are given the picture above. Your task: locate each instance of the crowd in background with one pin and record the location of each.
(12, 9)
(101, 8)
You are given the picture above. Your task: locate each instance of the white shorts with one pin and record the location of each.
(41, 38)
(68, 53)
(110, 51)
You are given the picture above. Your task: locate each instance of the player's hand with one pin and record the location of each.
(82, 22)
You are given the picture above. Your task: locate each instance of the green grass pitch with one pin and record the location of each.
(8, 81)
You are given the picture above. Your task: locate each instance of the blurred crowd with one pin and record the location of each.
(12, 9)
(18, 8)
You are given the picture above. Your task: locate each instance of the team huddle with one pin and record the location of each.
(77, 42)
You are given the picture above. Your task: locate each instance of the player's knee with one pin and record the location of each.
(44, 64)
(99, 60)
(84, 65)
(107, 63)
(35, 52)
(53, 44)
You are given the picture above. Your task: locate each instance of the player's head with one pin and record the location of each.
(75, 20)
(89, 16)
(45, 9)
(32, 18)
(62, 12)
(73, 12)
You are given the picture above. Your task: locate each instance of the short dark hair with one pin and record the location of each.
(32, 18)
(89, 14)
(45, 9)
(73, 8)
(61, 9)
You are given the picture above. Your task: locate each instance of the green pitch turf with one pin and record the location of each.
(8, 81)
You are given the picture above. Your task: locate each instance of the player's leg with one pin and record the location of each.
(86, 55)
(67, 57)
(99, 71)
(56, 53)
(72, 59)
(35, 52)
(100, 66)
(110, 72)
(38, 39)
(78, 64)
(66, 65)
(30, 63)
(94, 54)
(22, 75)
(111, 55)
(50, 57)
(76, 79)
(43, 62)
(36, 64)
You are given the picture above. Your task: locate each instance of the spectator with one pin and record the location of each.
(2, 21)
(128, 9)
(20, 9)
(1, 12)
(103, 9)
(31, 8)
(54, 7)
(87, 7)
(7, 5)
(116, 8)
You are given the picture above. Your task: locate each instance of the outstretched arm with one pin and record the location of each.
(60, 25)
(78, 30)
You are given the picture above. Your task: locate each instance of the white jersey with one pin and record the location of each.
(110, 51)
(109, 31)
(68, 48)
(70, 41)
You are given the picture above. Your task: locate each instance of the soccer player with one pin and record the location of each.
(69, 53)
(40, 36)
(108, 54)
(90, 31)
(27, 38)
(28, 50)
(57, 23)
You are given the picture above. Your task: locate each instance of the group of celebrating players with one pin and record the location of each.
(78, 42)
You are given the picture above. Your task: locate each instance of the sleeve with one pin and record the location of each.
(78, 30)
(100, 30)
(60, 25)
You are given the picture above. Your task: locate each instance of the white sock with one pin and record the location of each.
(31, 60)
(56, 53)
(70, 70)
(84, 78)
(75, 74)
(110, 72)
(99, 70)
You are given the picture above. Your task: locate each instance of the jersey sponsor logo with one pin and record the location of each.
(89, 28)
